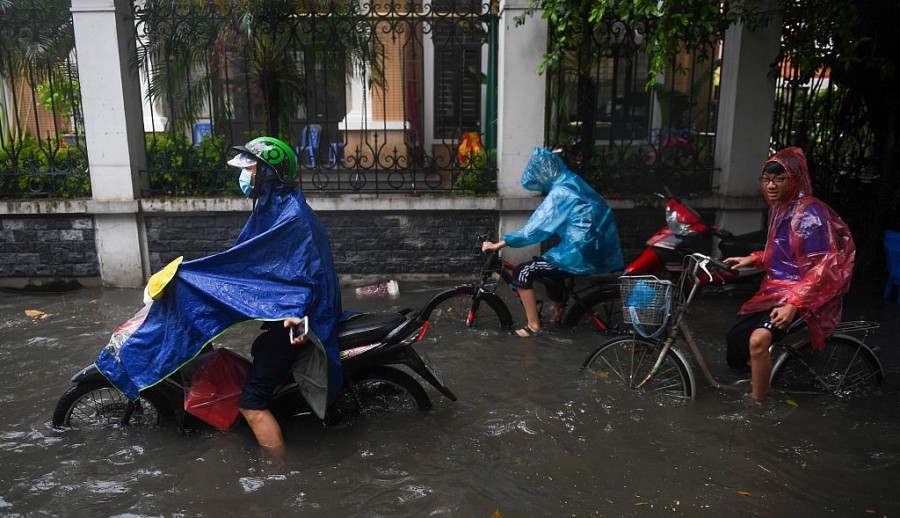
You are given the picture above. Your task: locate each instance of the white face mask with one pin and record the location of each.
(244, 181)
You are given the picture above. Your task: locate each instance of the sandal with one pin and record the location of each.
(528, 332)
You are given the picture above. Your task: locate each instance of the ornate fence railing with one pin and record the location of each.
(373, 97)
(42, 150)
(832, 128)
(621, 136)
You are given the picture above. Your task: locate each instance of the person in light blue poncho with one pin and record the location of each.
(589, 238)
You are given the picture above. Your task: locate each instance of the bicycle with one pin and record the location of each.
(593, 298)
(648, 359)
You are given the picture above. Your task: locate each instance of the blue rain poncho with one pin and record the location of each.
(280, 266)
(589, 238)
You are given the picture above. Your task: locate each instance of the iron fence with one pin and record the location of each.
(42, 149)
(831, 126)
(373, 97)
(621, 135)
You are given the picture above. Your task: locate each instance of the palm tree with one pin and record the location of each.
(36, 40)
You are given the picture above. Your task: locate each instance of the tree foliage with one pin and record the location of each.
(676, 24)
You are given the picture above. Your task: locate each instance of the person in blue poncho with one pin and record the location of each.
(279, 270)
(572, 210)
(267, 170)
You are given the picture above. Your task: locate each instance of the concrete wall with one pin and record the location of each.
(48, 244)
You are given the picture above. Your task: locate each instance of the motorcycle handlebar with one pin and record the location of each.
(721, 233)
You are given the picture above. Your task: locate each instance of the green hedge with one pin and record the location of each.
(30, 168)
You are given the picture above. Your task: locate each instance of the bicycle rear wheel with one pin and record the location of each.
(467, 306)
(629, 360)
(600, 310)
(846, 366)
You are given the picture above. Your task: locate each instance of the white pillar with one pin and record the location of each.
(114, 134)
(520, 115)
(746, 106)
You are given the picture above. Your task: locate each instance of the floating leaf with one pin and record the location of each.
(792, 403)
(34, 313)
(601, 374)
(497, 514)
(744, 493)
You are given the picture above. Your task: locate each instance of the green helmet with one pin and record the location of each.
(275, 153)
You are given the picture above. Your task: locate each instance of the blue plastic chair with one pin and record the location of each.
(309, 144)
(892, 248)
(336, 154)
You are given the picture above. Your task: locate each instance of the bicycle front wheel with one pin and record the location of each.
(846, 366)
(467, 306)
(629, 361)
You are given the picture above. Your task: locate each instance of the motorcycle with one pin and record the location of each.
(683, 232)
(372, 348)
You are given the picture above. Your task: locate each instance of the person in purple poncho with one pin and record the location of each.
(809, 258)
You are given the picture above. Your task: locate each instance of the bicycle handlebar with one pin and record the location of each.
(703, 260)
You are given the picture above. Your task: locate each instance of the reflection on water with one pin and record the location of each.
(531, 435)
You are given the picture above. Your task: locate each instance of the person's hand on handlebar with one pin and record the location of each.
(490, 246)
(739, 262)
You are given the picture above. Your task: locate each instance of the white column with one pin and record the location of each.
(113, 121)
(520, 115)
(746, 106)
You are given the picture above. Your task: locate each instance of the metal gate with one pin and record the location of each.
(373, 97)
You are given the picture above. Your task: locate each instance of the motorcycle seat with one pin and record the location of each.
(366, 328)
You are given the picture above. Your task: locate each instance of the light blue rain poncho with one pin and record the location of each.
(589, 238)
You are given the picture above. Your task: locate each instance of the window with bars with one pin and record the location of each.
(457, 73)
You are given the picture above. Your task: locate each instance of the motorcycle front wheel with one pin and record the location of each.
(383, 390)
(97, 404)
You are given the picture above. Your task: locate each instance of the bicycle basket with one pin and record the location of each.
(646, 301)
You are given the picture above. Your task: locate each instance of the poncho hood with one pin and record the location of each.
(542, 170)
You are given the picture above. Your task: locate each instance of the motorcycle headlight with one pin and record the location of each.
(678, 227)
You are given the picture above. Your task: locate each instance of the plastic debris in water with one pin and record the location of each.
(384, 289)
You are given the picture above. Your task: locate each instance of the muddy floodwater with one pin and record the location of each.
(531, 434)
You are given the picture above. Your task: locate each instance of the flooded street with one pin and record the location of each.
(531, 434)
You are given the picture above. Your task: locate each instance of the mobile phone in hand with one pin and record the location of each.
(299, 330)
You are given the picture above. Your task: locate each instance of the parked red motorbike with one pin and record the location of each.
(685, 232)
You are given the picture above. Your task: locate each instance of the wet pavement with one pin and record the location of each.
(531, 434)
